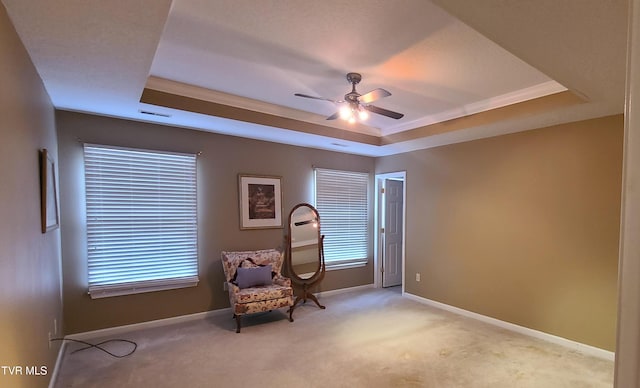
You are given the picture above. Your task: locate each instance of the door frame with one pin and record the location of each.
(379, 221)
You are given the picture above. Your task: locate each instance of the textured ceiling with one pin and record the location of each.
(464, 71)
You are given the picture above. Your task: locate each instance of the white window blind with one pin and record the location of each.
(342, 202)
(141, 220)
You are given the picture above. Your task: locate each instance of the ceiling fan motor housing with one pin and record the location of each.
(354, 78)
(352, 97)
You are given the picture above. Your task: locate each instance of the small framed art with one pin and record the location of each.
(48, 192)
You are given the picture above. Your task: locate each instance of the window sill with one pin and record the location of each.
(97, 292)
(349, 265)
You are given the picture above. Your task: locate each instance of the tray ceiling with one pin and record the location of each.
(460, 72)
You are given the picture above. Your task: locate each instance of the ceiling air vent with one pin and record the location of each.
(146, 112)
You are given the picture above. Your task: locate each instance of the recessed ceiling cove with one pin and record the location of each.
(454, 70)
(435, 67)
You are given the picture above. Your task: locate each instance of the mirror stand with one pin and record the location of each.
(307, 284)
(304, 252)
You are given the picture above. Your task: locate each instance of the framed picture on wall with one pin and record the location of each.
(260, 201)
(48, 192)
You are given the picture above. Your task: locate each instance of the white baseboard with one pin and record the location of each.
(343, 290)
(56, 368)
(580, 347)
(117, 330)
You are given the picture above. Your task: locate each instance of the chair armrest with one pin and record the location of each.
(281, 280)
(233, 291)
(232, 288)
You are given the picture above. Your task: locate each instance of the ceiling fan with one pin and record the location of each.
(355, 105)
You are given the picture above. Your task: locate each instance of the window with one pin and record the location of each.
(141, 220)
(342, 202)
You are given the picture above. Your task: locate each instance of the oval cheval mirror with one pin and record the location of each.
(305, 255)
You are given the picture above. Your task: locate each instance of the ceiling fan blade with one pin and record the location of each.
(384, 112)
(373, 95)
(333, 116)
(315, 98)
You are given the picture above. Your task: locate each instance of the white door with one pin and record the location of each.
(393, 225)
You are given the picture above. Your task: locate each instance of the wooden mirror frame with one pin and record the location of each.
(309, 283)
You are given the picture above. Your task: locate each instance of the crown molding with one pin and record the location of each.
(530, 93)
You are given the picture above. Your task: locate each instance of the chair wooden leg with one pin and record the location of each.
(291, 314)
(237, 323)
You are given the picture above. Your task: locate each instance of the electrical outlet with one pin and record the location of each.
(417, 276)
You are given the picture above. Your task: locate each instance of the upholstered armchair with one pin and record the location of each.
(255, 283)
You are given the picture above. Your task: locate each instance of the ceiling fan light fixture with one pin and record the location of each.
(345, 112)
(352, 113)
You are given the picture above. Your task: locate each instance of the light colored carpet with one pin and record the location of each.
(367, 338)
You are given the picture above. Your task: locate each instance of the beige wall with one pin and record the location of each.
(523, 228)
(222, 159)
(30, 281)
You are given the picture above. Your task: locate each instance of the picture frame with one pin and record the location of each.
(260, 200)
(50, 217)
